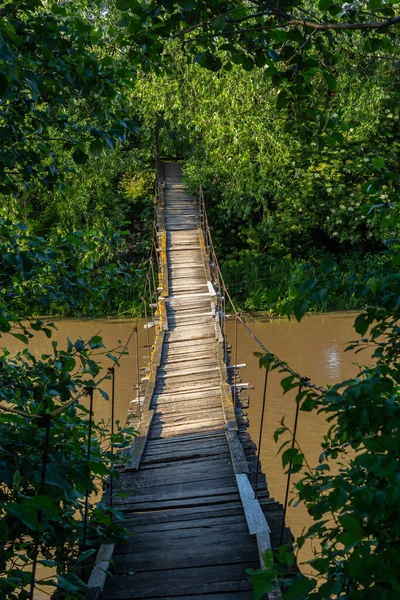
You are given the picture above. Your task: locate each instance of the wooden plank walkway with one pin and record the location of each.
(195, 534)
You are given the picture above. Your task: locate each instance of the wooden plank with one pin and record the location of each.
(172, 348)
(206, 438)
(206, 398)
(230, 509)
(224, 496)
(178, 491)
(188, 295)
(183, 527)
(139, 443)
(159, 452)
(184, 554)
(198, 359)
(178, 582)
(221, 596)
(190, 453)
(254, 515)
(98, 574)
(187, 386)
(165, 432)
(192, 406)
(173, 473)
(238, 456)
(181, 416)
(206, 534)
(188, 371)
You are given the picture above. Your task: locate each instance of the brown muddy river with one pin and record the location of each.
(314, 348)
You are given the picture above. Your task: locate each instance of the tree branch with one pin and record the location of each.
(344, 26)
(316, 26)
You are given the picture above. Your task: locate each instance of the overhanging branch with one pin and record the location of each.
(344, 26)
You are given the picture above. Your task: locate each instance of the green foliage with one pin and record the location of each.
(42, 397)
(59, 88)
(352, 494)
(39, 276)
(276, 203)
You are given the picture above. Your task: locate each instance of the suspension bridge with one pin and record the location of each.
(195, 498)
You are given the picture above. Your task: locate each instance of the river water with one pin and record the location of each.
(314, 348)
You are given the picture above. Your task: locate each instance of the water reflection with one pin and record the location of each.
(333, 361)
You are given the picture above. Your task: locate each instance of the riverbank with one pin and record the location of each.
(255, 281)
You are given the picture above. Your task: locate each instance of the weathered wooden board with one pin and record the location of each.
(197, 395)
(184, 527)
(178, 554)
(177, 582)
(173, 473)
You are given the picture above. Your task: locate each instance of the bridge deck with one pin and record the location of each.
(191, 537)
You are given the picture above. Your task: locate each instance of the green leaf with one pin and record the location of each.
(79, 345)
(325, 4)
(308, 405)
(96, 147)
(98, 468)
(330, 588)
(21, 337)
(319, 296)
(123, 21)
(45, 504)
(71, 583)
(349, 539)
(300, 588)
(270, 72)
(361, 324)
(330, 80)
(209, 61)
(327, 264)
(80, 157)
(264, 581)
(266, 360)
(288, 456)
(3, 84)
(286, 383)
(307, 285)
(350, 523)
(96, 342)
(25, 513)
(69, 363)
(282, 100)
(300, 307)
(218, 22)
(378, 163)
(104, 394)
(247, 63)
(84, 555)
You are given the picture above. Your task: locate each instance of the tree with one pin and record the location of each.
(60, 87)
